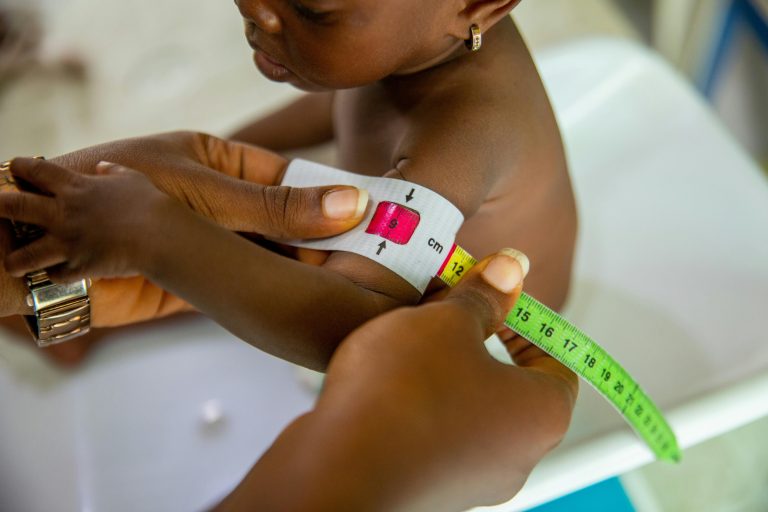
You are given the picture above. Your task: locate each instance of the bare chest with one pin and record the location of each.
(369, 128)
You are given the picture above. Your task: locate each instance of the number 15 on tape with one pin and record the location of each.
(411, 230)
(568, 344)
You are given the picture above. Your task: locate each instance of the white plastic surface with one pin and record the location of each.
(671, 277)
(671, 273)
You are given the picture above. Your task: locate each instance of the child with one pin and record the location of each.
(409, 100)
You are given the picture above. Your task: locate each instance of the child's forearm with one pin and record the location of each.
(194, 168)
(303, 123)
(292, 310)
(215, 177)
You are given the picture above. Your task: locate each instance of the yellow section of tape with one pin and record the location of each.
(458, 263)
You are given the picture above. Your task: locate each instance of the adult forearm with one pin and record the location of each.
(322, 464)
(294, 311)
(303, 123)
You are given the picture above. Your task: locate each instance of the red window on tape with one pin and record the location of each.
(394, 222)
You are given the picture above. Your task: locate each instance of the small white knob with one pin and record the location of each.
(212, 413)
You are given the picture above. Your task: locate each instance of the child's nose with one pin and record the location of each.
(261, 14)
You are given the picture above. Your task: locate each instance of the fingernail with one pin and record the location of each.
(521, 258)
(345, 203)
(503, 274)
(103, 165)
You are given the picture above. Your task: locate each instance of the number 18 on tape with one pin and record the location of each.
(411, 230)
(568, 344)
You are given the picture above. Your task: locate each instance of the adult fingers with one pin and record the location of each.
(26, 207)
(491, 288)
(6, 238)
(288, 212)
(242, 161)
(529, 356)
(523, 352)
(105, 168)
(271, 210)
(42, 174)
(43, 253)
(311, 256)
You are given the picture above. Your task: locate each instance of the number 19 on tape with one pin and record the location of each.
(408, 231)
(565, 342)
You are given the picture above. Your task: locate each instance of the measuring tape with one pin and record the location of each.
(411, 231)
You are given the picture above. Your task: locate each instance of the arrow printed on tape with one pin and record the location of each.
(416, 241)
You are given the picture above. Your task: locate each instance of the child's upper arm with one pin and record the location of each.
(448, 153)
(453, 154)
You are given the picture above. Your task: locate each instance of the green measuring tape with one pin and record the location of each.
(409, 231)
(572, 347)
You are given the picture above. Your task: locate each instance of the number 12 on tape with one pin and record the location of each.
(568, 344)
(410, 230)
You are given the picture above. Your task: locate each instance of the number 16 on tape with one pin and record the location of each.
(568, 344)
(418, 224)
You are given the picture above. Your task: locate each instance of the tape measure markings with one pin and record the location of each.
(572, 347)
(432, 236)
(417, 254)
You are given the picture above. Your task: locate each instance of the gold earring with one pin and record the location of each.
(475, 40)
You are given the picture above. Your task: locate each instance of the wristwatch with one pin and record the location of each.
(62, 311)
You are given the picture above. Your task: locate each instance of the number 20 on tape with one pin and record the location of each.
(418, 224)
(565, 342)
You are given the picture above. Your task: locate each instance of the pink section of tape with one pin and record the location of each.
(394, 222)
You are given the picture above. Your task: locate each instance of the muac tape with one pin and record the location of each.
(411, 230)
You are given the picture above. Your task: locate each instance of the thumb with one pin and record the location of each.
(316, 212)
(490, 290)
(492, 287)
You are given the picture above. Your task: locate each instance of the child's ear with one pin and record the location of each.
(483, 13)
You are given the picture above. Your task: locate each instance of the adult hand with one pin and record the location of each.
(233, 184)
(415, 414)
(105, 225)
(13, 291)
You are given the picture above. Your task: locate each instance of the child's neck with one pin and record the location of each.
(452, 53)
(443, 69)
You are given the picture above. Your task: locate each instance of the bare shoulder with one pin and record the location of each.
(480, 131)
(487, 140)
(477, 121)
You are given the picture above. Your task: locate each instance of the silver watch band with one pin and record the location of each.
(62, 311)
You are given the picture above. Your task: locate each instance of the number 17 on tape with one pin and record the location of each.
(572, 347)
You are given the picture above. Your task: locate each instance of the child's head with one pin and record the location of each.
(336, 44)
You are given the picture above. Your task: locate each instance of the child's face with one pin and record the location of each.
(337, 44)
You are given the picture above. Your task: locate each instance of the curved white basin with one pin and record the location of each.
(671, 273)
(671, 276)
